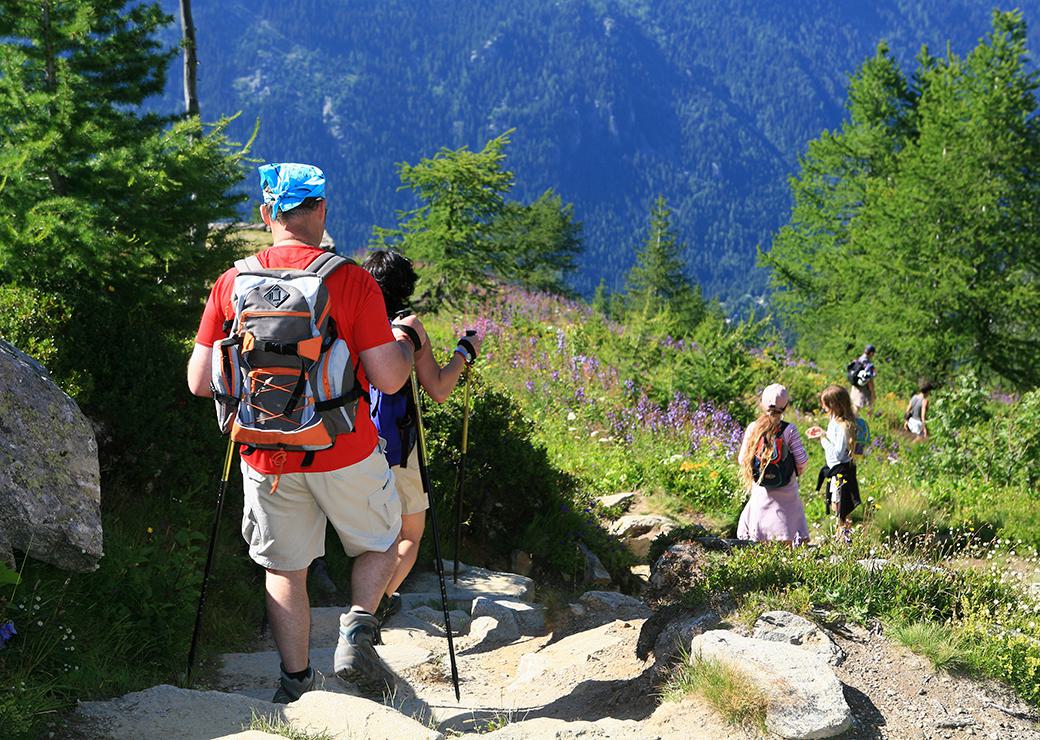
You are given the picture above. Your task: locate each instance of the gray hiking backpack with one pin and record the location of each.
(283, 379)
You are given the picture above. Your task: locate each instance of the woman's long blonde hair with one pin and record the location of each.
(836, 402)
(764, 430)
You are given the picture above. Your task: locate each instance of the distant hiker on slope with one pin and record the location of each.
(289, 327)
(916, 417)
(771, 459)
(860, 373)
(839, 447)
(394, 414)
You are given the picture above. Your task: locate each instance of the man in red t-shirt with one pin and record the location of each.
(289, 499)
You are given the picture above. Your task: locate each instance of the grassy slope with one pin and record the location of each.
(593, 408)
(607, 409)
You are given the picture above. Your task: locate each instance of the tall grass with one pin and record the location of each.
(732, 693)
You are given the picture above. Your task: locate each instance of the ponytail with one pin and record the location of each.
(761, 435)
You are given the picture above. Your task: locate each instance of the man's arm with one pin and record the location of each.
(388, 366)
(199, 370)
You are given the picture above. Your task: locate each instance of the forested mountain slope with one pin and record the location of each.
(614, 102)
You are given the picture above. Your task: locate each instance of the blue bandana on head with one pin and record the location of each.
(287, 185)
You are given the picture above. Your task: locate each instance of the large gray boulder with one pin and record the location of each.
(50, 484)
(614, 604)
(805, 698)
(781, 626)
(638, 531)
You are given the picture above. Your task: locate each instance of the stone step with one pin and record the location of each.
(402, 627)
(473, 582)
(172, 713)
(247, 671)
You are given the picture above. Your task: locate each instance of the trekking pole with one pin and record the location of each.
(209, 557)
(424, 475)
(460, 478)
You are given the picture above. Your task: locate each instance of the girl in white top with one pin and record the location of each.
(839, 443)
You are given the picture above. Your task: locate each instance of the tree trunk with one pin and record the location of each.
(191, 59)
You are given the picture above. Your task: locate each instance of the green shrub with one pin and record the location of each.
(514, 497)
(33, 321)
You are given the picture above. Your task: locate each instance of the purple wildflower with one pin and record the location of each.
(7, 631)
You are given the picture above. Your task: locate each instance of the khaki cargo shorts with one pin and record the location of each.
(286, 529)
(409, 485)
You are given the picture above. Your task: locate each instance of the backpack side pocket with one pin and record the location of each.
(226, 381)
(336, 389)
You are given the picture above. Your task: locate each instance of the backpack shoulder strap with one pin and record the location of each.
(326, 263)
(249, 264)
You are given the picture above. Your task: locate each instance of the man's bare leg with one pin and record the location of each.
(371, 574)
(289, 614)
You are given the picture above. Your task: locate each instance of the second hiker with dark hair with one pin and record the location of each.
(394, 414)
(915, 420)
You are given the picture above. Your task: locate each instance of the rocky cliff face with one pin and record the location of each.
(50, 483)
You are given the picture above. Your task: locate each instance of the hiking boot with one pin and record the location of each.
(290, 689)
(388, 607)
(356, 659)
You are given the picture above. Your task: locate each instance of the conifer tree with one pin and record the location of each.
(461, 193)
(915, 227)
(99, 202)
(657, 283)
(539, 241)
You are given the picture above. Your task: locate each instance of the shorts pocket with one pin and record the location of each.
(385, 505)
(251, 529)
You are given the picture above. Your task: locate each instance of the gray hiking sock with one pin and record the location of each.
(356, 660)
(291, 688)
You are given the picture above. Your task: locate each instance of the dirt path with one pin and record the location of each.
(579, 679)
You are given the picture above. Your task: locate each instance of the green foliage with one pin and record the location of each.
(943, 647)
(995, 443)
(540, 511)
(32, 320)
(100, 204)
(656, 287)
(8, 577)
(462, 194)
(913, 226)
(539, 243)
(721, 366)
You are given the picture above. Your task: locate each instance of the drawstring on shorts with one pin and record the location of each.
(279, 460)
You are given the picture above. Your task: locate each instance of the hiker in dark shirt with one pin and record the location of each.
(394, 416)
(916, 416)
(861, 372)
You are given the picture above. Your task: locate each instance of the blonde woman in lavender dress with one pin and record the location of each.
(771, 460)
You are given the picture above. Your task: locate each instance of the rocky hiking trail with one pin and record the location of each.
(574, 673)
